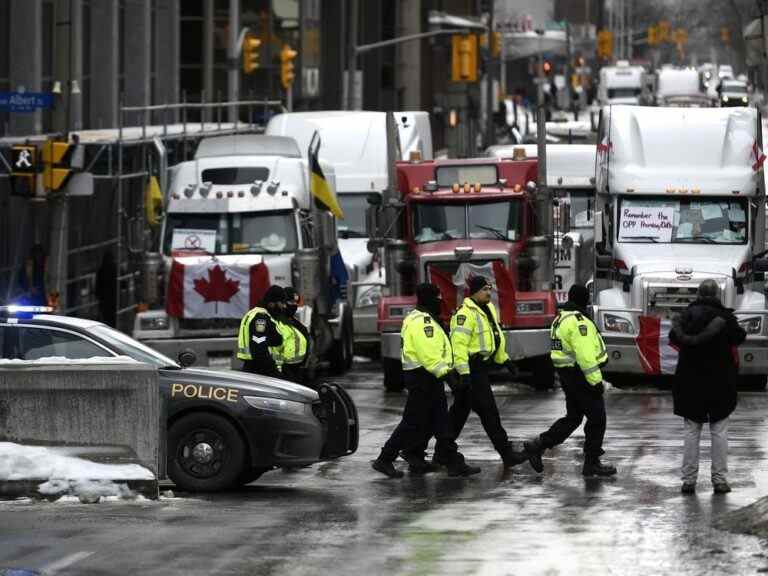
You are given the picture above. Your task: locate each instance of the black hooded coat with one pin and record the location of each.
(706, 335)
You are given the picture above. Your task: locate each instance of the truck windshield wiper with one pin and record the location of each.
(498, 233)
(651, 238)
(703, 239)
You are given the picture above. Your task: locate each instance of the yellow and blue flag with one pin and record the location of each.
(325, 197)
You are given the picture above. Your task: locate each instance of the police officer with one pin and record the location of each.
(577, 353)
(259, 336)
(427, 363)
(295, 347)
(478, 345)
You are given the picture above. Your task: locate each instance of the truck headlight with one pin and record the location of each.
(530, 307)
(751, 325)
(278, 405)
(613, 323)
(725, 98)
(369, 297)
(154, 323)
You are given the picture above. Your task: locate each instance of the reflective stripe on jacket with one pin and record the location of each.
(472, 334)
(243, 336)
(424, 344)
(293, 350)
(576, 341)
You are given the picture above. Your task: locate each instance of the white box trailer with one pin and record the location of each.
(680, 199)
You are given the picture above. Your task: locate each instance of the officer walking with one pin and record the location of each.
(478, 345)
(578, 352)
(259, 336)
(427, 363)
(295, 347)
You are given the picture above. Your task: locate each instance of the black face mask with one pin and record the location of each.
(291, 309)
(433, 307)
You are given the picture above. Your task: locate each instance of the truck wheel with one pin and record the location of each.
(393, 375)
(543, 373)
(205, 453)
(342, 354)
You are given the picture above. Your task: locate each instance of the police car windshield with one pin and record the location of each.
(127, 346)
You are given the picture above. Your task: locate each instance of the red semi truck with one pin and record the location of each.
(448, 220)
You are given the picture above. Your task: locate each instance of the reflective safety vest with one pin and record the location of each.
(293, 350)
(244, 336)
(576, 341)
(424, 344)
(472, 335)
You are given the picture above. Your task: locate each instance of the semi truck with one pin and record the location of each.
(680, 198)
(447, 220)
(620, 84)
(239, 218)
(679, 87)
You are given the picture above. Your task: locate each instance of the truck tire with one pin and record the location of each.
(393, 375)
(542, 373)
(342, 354)
(205, 453)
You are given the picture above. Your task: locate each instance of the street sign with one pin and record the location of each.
(23, 160)
(25, 101)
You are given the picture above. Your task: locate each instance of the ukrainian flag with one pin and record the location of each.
(325, 198)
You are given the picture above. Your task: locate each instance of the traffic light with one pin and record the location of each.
(464, 58)
(287, 73)
(653, 36)
(725, 35)
(680, 37)
(665, 29)
(605, 44)
(250, 50)
(56, 170)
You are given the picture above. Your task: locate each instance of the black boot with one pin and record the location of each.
(593, 467)
(418, 465)
(458, 467)
(386, 467)
(512, 457)
(534, 449)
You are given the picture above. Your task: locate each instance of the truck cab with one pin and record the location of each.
(667, 221)
(680, 87)
(620, 84)
(459, 218)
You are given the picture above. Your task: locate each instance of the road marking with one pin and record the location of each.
(65, 562)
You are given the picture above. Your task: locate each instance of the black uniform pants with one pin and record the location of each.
(479, 397)
(263, 368)
(293, 373)
(581, 399)
(425, 415)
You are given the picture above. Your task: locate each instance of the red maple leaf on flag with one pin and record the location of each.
(217, 288)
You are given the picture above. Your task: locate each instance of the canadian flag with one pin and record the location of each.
(758, 155)
(213, 289)
(657, 355)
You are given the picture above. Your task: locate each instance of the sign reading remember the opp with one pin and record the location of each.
(637, 222)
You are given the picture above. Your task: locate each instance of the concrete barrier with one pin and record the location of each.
(108, 413)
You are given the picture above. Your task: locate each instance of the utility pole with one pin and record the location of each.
(352, 54)
(489, 126)
(234, 51)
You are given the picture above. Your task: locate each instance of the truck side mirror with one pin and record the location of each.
(374, 199)
(598, 226)
(372, 220)
(187, 357)
(760, 265)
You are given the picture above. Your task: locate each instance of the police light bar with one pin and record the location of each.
(14, 309)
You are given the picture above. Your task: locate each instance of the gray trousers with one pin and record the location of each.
(719, 434)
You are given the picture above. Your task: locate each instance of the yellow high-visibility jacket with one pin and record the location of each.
(424, 344)
(472, 334)
(293, 350)
(576, 341)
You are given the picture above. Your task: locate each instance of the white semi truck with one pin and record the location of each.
(239, 218)
(680, 199)
(620, 84)
(680, 87)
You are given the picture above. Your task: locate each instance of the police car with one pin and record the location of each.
(223, 428)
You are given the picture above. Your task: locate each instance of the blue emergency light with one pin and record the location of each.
(20, 311)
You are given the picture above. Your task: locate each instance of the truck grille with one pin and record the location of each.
(448, 268)
(210, 325)
(666, 301)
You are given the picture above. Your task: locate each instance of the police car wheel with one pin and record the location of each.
(205, 453)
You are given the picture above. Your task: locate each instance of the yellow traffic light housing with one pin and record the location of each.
(464, 58)
(605, 44)
(250, 49)
(725, 35)
(287, 74)
(653, 36)
(55, 164)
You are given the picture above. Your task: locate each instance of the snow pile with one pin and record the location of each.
(60, 473)
(63, 360)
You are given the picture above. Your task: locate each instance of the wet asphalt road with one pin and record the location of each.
(343, 518)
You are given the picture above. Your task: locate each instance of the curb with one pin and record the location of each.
(13, 489)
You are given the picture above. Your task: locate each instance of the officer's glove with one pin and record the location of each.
(512, 367)
(599, 388)
(464, 383)
(452, 379)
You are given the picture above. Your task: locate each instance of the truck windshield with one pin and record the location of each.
(734, 88)
(353, 206)
(623, 92)
(494, 220)
(231, 233)
(682, 220)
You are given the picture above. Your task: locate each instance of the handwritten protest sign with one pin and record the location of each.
(637, 222)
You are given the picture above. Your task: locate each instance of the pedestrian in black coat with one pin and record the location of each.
(706, 335)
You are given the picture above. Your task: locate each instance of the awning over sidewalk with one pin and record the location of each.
(524, 44)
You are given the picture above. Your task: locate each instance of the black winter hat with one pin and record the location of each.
(274, 294)
(475, 283)
(427, 294)
(291, 295)
(579, 295)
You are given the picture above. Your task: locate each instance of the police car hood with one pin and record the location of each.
(247, 384)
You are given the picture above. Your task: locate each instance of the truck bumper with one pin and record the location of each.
(624, 357)
(520, 344)
(365, 320)
(209, 351)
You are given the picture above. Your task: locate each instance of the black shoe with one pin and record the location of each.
(688, 488)
(721, 487)
(462, 469)
(418, 465)
(593, 467)
(386, 468)
(512, 457)
(534, 450)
